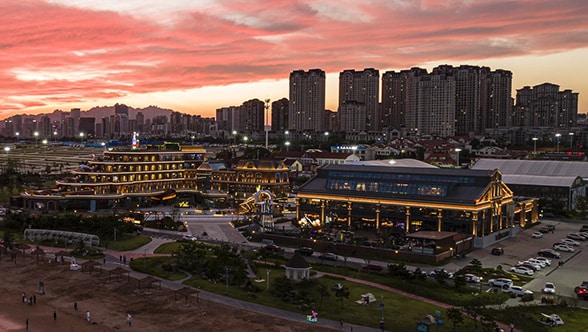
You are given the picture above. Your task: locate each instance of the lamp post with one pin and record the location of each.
(245, 139)
(193, 139)
(6, 149)
(571, 140)
(267, 274)
(17, 134)
(287, 145)
(535, 139)
(557, 136)
(82, 138)
(44, 141)
(226, 280)
(234, 137)
(36, 134)
(457, 161)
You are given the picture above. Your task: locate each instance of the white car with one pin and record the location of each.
(570, 242)
(500, 282)
(518, 290)
(576, 236)
(521, 270)
(187, 237)
(543, 259)
(549, 288)
(531, 265)
(537, 261)
(537, 235)
(563, 247)
(472, 278)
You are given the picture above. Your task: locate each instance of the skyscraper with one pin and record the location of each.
(545, 106)
(362, 87)
(280, 116)
(307, 100)
(497, 102)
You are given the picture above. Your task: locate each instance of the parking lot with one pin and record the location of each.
(524, 246)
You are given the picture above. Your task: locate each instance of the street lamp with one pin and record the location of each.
(82, 138)
(234, 137)
(535, 139)
(287, 145)
(245, 139)
(267, 274)
(457, 150)
(6, 149)
(571, 140)
(557, 136)
(193, 139)
(36, 134)
(44, 141)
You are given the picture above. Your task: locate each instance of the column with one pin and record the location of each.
(439, 219)
(322, 211)
(297, 209)
(407, 222)
(475, 223)
(349, 214)
(378, 216)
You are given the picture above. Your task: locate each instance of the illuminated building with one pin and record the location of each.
(412, 198)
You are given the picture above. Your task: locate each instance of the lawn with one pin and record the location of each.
(156, 266)
(129, 244)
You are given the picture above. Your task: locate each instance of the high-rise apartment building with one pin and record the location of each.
(252, 116)
(307, 100)
(436, 105)
(393, 99)
(545, 106)
(353, 117)
(497, 101)
(362, 87)
(280, 116)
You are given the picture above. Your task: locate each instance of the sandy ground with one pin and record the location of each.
(109, 302)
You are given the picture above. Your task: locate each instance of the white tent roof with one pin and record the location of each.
(535, 167)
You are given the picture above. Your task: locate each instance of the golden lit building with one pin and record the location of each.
(155, 172)
(414, 198)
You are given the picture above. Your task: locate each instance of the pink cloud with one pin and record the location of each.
(58, 54)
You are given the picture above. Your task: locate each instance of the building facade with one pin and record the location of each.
(307, 100)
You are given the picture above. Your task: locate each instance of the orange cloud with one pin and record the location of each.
(61, 53)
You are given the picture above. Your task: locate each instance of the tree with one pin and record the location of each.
(455, 316)
(459, 281)
(342, 293)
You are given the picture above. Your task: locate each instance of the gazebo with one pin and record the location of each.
(297, 269)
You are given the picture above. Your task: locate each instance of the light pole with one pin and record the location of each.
(17, 134)
(44, 141)
(245, 139)
(234, 137)
(571, 140)
(267, 274)
(287, 145)
(457, 161)
(36, 134)
(226, 280)
(193, 139)
(82, 138)
(535, 139)
(6, 149)
(557, 136)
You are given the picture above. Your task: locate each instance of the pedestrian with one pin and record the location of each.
(24, 297)
(511, 327)
(129, 319)
(88, 316)
(75, 306)
(120, 258)
(30, 300)
(27, 323)
(341, 322)
(35, 299)
(54, 315)
(104, 260)
(125, 260)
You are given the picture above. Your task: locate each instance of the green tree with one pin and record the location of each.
(455, 316)
(342, 293)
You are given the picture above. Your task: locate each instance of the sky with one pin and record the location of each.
(195, 56)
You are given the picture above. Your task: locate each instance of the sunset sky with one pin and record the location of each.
(195, 56)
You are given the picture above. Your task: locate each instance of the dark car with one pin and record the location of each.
(328, 256)
(581, 292)
(549, 253)
(304, 251)
(584, 228)
(497, 251)
(372, 267)
(273, 248)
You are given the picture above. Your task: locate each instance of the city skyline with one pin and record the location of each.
(197, 56)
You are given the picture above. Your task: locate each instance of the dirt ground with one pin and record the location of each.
(109, 299)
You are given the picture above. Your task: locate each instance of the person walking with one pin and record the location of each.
(88, 316)
(512, 327)
(54, 315)
(75, 306)
(27, 324)
(129, 319)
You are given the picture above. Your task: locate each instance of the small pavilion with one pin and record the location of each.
(297, 268)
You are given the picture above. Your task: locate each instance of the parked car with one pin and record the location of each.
(305, 251)
(570, 242)
(537, 261)
(187, 237)
(518, 290)
(537, 235)
(522, 270)
(549, 288)
(550, 227)
(547, 261)
(544, 229)
(497, 251)
(584, 228)
(372, 267)
(436, 271)
(576, 236)
(563, 247)
(530, 265)
(328, 256)
(273, 248)
(551, 320)
(472, 278)
(500, 282)
(581, 292)
(549, 253)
